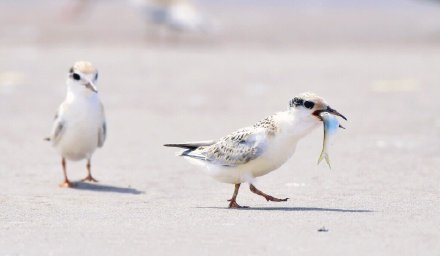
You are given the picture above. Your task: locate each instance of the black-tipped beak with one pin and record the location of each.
(331, 111)
(335, 112)
(91, 86)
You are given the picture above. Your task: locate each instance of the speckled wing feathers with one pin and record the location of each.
(238, 147)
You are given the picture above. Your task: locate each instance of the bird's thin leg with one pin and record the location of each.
(89, 173)
(66, 183)
(268, 197)
(233, 202)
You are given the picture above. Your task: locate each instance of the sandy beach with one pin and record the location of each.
(379, 66)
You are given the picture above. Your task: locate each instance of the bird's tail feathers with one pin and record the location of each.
(192, 154)
(190, 145)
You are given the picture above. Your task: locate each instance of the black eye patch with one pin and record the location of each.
(309, 104)
(296, 102)
(76, 77)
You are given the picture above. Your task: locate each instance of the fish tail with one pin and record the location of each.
(325, 156)
(327, 159)
(322, 156)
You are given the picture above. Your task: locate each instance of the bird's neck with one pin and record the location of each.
(296, 125)
(76, 92)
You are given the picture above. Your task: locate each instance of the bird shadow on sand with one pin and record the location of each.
(294, 209)
(106, 188)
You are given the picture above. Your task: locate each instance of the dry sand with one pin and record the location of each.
(381, 197)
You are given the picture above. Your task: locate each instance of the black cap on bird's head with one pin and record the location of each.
(313, 104)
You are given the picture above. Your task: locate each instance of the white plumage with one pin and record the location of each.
(79, 127)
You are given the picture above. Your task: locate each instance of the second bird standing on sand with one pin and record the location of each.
(79, 127)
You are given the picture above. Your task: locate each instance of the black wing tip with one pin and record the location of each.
(171, 145)
(178, 145)
(47, 139)
(183, 145)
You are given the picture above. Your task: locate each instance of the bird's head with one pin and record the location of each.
(309, 106)
(82, 77)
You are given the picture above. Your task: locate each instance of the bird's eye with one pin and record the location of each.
(76, 77)
(309, 104)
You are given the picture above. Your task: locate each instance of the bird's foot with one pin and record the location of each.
(274, 199)
(233, 205)
(266, 196)
(89, 178)
(67, 184)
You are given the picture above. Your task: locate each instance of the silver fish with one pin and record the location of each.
(331, 125)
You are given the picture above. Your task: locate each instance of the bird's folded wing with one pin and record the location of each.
(59, 125)
(58, 129)
(235, 149)
(102, 132)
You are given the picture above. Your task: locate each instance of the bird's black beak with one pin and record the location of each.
(331, 111)
(335, 112)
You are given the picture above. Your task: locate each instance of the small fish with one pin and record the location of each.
(331, 125)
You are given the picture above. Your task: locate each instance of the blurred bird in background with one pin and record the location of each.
(176, 15)
(170, 15)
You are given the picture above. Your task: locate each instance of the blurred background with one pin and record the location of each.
(209, 23)
(173, 71)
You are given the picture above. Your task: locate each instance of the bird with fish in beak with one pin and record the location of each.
(257, 150)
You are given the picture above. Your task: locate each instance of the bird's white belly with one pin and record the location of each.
(272, 159)
(80, 137)
(78, 143)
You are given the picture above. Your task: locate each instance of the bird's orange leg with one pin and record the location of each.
(232, 201)
(66, 183)
(268, 197)
(89, 173)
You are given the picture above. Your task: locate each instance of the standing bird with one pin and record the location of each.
(79, 126)
(259, 149)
